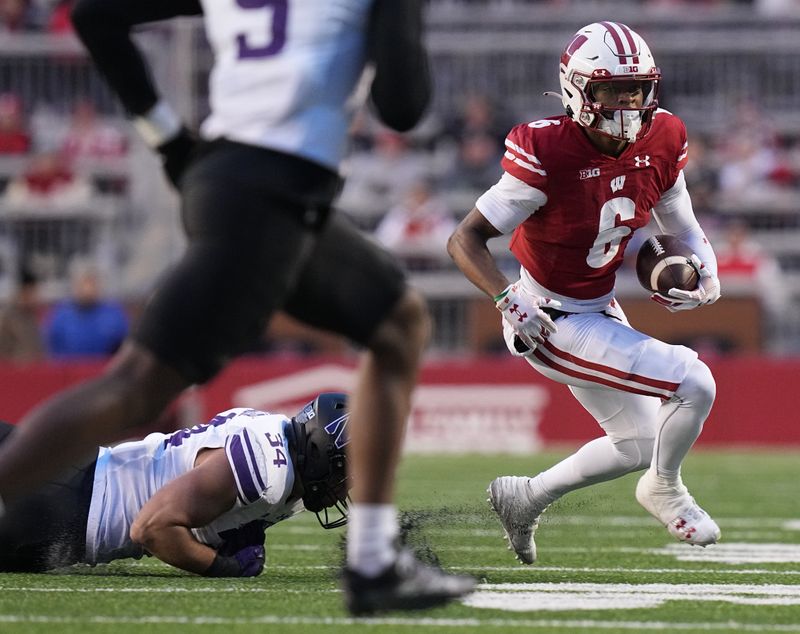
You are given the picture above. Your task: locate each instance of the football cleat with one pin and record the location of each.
(407, 584)
(512, 500)
(671, 504)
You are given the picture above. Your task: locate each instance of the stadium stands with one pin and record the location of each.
(731, 72)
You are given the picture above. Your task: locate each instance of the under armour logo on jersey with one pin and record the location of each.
(338, 429)
(642, 161)
(617, 183)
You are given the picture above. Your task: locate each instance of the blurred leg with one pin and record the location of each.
(68, 427)
(381, 404)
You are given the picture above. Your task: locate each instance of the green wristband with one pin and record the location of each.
(497, 298)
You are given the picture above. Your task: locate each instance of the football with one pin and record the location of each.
(664, 262)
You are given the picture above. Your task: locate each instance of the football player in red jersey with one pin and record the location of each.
(574, 189)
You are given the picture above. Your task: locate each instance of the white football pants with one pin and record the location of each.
(650, 398)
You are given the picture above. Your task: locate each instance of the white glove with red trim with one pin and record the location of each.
(522, 311)
(514, 344)
(707, 291)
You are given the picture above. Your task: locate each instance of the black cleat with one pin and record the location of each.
(407, 584)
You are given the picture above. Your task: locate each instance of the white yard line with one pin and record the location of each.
(683, 571)
(666, 550)
(241, 587)
(783, 524)
(563, 597)
(571, 624)
(518, 568)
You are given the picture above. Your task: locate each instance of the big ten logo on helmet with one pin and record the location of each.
(306, 415)
(589, 173)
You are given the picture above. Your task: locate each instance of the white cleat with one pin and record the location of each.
(510, 497)
(671, 504)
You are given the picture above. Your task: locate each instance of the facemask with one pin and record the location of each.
(624, 125)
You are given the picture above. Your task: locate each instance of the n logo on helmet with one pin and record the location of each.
(338, 429)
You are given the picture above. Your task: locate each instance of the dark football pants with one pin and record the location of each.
(47, 529)
(260, 240)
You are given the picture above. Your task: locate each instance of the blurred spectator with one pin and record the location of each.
(777, 8)
(701, 175)
(742, 262)
(749, 165)
(20, 16)
(475, 169)
(754, 168)
(86, 324)
(417, 229)
(89, 137)
(59, 22)
(382, 175)
(363, 129)
(479, 116)
(14, 135)
(20, 337)
(49, 183)
(49, 209)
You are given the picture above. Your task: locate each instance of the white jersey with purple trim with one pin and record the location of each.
(257, 447)
(284, 72)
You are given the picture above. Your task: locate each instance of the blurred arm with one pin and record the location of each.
(401, 88)
(104, 27)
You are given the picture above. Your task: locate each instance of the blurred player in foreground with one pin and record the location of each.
(256, 194)
(575, 187)
(199, 499)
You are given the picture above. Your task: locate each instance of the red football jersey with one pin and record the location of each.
(574, 244)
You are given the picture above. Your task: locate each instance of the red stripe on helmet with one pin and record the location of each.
(573, 46)
(621, 54)
(631, 42)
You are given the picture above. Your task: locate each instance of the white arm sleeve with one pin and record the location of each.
(509, 202)
(675, 216)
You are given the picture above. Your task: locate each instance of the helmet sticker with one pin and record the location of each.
(338, 429)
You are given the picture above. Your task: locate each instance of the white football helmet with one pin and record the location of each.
(608, 52)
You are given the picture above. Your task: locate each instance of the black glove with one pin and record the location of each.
(176, 154)
(235, 539)
(248, 562)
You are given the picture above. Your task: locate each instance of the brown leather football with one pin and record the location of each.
(664, 262)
